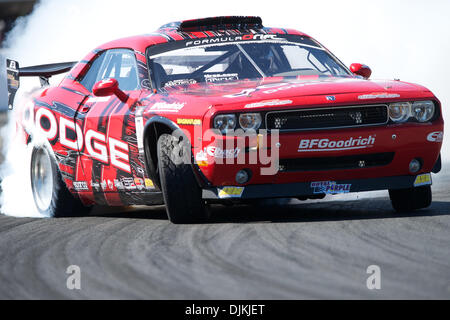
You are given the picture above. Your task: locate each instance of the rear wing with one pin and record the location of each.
(44, 72)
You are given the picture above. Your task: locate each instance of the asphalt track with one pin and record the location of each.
(287, 251)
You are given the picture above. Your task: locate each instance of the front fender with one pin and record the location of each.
(153, 128)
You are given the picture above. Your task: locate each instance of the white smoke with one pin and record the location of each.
(406, 39)
(16, 198)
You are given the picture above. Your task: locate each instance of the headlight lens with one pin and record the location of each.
(423, 111)
(225, 122)
(399, 111)
(249, 121)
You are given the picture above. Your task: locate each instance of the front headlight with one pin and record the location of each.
(399, 111)
(225, 122)
(423, 111)
(249, 121)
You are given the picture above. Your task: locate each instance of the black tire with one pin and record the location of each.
(60, 202)
(405, 200)
(181, 192)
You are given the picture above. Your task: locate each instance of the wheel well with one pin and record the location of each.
(154, 128)
(152, 132)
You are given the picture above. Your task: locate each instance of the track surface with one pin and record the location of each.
(291, 251)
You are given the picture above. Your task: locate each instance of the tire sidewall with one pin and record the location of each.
(181, 192)
(49, 211)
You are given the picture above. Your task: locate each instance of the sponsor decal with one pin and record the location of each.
(245, 37)
(118, 184)
(422, 180)
(95, 185)
(140, 184)
(97, 99)
(107, 185)
(435, 136)
(149, 183)
(80, 185)
(334, 145)
(285, 86)
(272, 88)
(243, 93)
(230, 192)
(212, 78)
(128, 183)
(12, 81)
(201, 158)
(217, 152)
(139, 122)
(97, 145)
(331, 98)
(191, 122)
(330, 187)
(275, 102)
(381, 95)
(168, 107)
(179, 82)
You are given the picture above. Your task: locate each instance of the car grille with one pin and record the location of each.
(336, 163)
(327, 118)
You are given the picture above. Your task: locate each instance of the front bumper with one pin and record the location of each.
(402, 142)
(305, 189)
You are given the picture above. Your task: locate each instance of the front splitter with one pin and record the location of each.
(292, 190)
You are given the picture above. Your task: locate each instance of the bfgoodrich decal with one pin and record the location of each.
(351, 143)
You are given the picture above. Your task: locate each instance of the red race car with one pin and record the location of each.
(221, 110)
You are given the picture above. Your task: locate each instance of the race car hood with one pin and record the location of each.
(276, 92)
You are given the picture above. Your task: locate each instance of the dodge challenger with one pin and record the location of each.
(222, 110)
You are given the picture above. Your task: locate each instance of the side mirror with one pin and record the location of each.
(108, 87)
(361, 70)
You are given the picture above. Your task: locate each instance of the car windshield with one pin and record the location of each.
(210, 61)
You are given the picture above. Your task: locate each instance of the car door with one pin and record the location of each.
(55, 111)
(110, 157)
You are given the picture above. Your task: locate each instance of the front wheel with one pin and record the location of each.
(404, 200)
(181, 192)
(51, 196)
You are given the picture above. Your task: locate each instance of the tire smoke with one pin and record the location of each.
(16, 197)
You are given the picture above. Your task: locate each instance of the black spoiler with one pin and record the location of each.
(44, 72)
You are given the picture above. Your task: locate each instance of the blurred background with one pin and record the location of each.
(10, 10)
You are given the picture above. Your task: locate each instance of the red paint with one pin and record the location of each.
(361, 70)
(108, 87)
